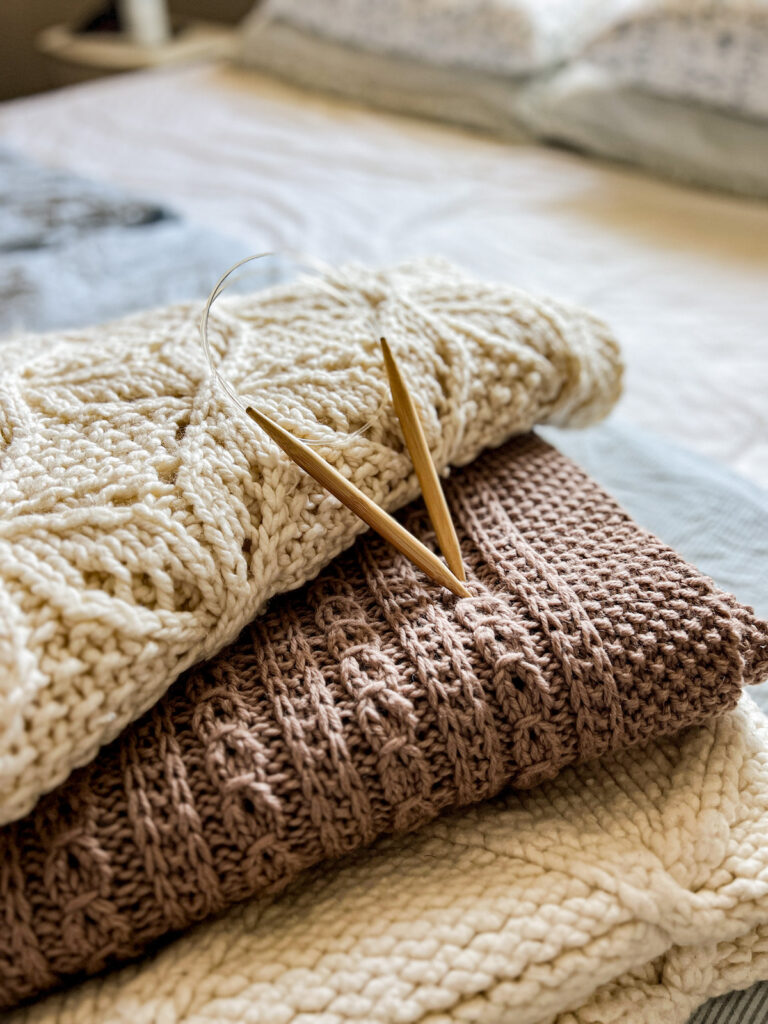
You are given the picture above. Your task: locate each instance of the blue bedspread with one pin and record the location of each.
(76, 252)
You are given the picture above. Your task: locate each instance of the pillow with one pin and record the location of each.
(498, 36)
(369, 704)
(144, 522)
(584, 106)
(406, 85)
(713, 53)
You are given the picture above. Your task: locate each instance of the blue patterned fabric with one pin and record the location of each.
(76, 252)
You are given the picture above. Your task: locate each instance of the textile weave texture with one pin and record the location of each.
(144, 521)
(708, 53)
(370, 703)
(629, 889)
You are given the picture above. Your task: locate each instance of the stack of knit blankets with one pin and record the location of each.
(539, 802)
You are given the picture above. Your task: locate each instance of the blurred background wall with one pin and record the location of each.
(23, 70)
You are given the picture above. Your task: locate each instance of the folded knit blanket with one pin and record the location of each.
(628, 890)
(143, 522)
(370, 703)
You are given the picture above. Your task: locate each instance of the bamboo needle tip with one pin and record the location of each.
(360, 504)
(267, 425)
(426, 471)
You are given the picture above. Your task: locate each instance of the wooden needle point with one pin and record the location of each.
(360, 504)
(423, 463)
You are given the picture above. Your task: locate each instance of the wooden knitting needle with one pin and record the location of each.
(360, 504)
(416, 441)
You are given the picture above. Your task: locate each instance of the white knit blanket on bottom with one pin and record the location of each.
(144, 521)
(628, 890)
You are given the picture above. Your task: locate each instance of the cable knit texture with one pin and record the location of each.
(629, 889)
(369, 703)
(143, 521)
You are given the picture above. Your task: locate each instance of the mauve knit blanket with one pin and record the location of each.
(367, 703)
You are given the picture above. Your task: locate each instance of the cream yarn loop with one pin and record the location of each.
(318, 268)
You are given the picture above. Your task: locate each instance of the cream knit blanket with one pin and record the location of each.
(628, 890)
(144, 521)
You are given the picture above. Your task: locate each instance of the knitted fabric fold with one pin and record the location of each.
(367, 704)
(144, 522)
(626, 891)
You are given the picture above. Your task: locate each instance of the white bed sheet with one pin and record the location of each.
(681, 275)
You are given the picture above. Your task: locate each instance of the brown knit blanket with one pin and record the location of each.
(367, 703)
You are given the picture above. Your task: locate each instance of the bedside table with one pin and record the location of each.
(76, 57)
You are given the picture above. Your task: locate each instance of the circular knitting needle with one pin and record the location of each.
(360, 504)
(429, 481)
